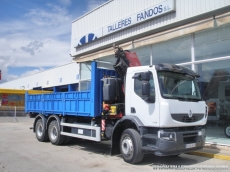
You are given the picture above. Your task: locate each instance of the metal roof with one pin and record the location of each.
(13, 91)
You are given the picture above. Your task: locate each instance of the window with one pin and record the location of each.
(214, 79)
(85, 71)
(106, 62)
(177, 50)
(85, 85)
(214, 83)
(212, 43)
(138, 87)
(178, 86)
(143, 54)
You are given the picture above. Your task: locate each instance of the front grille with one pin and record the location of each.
(187, 119)
(189, 139)
(183, 117)
(190, 134)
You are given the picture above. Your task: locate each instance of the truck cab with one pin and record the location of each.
(165, 104)
(174, 97)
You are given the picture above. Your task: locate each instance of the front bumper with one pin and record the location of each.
(186, 141)
(167, 148)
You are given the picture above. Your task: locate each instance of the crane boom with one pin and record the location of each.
(124, 60)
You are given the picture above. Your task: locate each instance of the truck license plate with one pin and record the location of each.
(192, 145)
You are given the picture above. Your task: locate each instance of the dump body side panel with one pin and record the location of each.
(74, 103)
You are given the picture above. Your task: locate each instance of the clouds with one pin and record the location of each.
(5, 62)
(35, 40)
(31, 72)
(38, 34)
(66, 2)
(92, 4)
(32, 47)
(54, 17)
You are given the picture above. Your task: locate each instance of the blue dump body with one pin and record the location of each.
(75, 103)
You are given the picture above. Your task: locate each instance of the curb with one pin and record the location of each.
(217, 146)
(210, 155)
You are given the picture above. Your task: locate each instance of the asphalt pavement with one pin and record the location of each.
(21, 152)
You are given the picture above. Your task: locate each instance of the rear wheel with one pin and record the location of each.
(55, 134)
(130, 146)
(41, 132)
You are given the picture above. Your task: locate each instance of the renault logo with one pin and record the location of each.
(190, 114)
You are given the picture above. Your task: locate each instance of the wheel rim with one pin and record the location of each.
(54, 132)
(40, 130)
(127, 147)
(227, 130)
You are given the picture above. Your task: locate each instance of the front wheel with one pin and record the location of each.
(227, 131)
(130, 146)
(55, 134)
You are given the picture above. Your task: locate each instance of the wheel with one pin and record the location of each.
(40, 131)
(130, 146)
(227, 131)
(54, 134)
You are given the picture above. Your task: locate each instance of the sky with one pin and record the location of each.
(35, 35)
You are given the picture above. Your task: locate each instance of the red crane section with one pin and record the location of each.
(124, 60)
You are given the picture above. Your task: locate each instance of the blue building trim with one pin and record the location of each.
(93, 89)
(26, 102)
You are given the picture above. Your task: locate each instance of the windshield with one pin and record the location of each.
(178, 86)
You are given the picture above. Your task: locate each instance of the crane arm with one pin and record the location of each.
(124, 59)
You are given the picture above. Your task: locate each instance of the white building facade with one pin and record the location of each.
(62, 78)
(191, 33)
(194, 34)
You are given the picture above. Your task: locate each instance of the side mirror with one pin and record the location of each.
(146, 88)
(137, 76)
(145, 76)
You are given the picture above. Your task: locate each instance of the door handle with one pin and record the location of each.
(133, 110)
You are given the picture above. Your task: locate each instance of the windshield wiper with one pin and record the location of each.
(169, 97)
(195, 100)
(188, 99)
(183, 99)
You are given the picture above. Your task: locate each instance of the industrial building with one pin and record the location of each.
(61, 78)
(194, 34)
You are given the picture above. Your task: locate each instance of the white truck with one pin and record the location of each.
(141, 109)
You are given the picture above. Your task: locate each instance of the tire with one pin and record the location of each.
(227, 131)
(130, 146)
(68, 140)
(41, 132)
(54, 134)
(174, 155)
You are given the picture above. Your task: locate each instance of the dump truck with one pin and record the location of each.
(141, 109)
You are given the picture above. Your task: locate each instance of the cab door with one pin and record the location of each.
(144, 107)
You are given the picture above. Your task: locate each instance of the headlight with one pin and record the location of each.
(171, 136)
(206, 111)
(201, 132)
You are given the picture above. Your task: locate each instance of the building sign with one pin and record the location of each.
(146, 14)
(12, 99)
